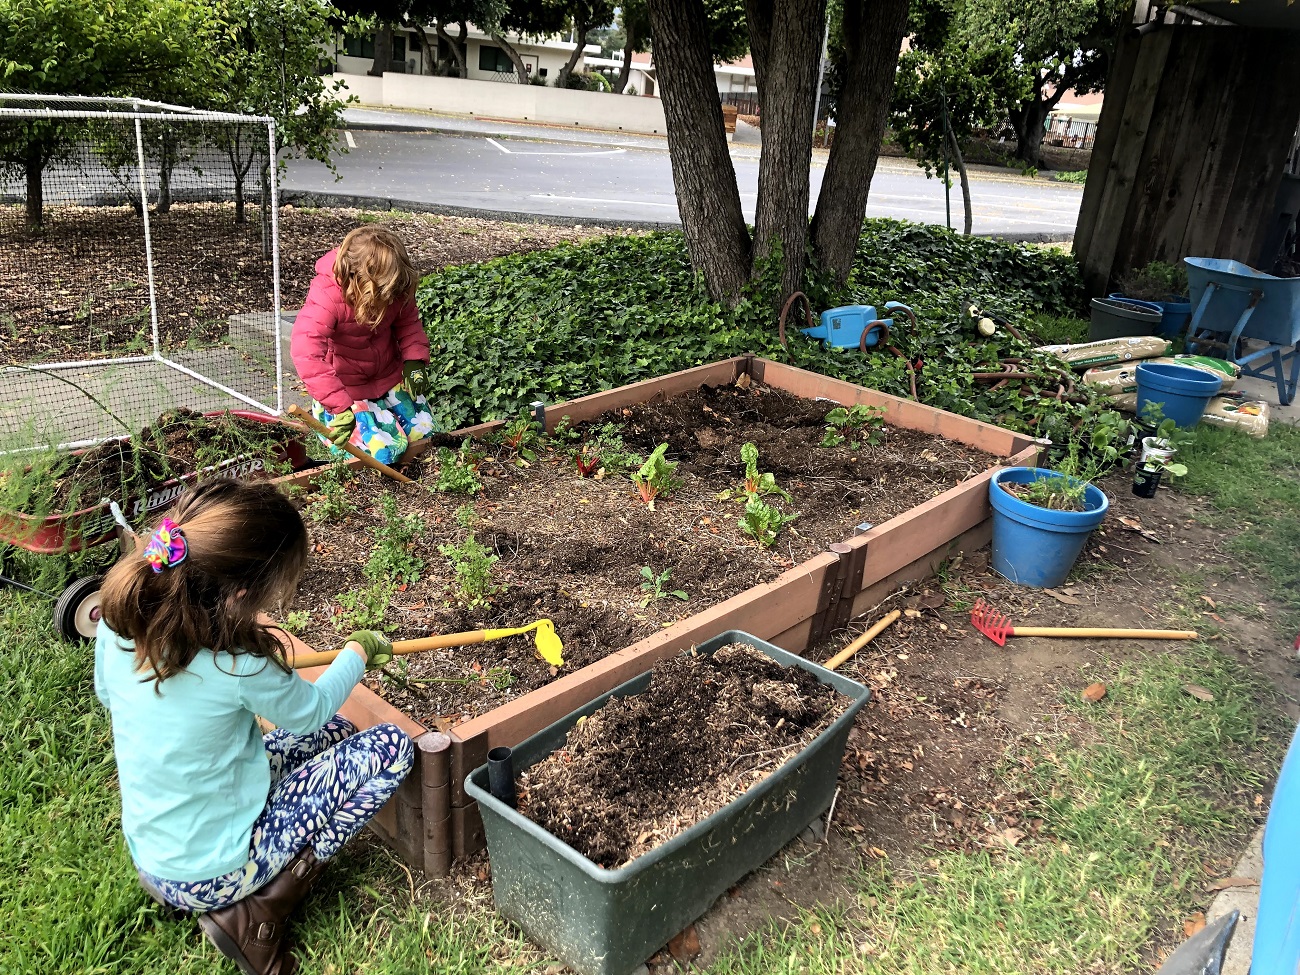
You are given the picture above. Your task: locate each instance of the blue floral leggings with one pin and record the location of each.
(325, 786)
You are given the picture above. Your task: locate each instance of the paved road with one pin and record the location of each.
(618, 179)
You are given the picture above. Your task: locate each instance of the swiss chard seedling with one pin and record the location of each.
(655, 586)
(523, 437)
(762, 522)
(655, 477)
(602, 449)
(759, 484)
(861, 423)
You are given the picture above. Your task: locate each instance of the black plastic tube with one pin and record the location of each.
(501, 775)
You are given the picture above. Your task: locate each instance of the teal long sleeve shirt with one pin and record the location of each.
(193, 773)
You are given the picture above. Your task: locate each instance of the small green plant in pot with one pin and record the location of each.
(1149, 471)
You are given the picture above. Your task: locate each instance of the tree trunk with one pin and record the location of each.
(871, 56)
(968, 217)
(759, 16)
(574, 57)
(625, 72)
(383, 51)
(1030, 118)
(34, 166)
(428, 52)
(521, 69)
(787, 84)
(166, 164)
(457, 46)
(703, 176)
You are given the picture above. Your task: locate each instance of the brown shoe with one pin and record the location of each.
(250, 932)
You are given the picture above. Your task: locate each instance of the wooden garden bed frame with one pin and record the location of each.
(430, 820)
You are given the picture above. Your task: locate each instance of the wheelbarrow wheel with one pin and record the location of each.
(76, 611)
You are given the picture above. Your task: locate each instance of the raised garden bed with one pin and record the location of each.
(801, 588)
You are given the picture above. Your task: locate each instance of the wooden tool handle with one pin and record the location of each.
(316, 426)
(862, 641)
(320, 658)
(1103, 632)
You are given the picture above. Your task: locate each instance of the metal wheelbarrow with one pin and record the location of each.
(1231, 302)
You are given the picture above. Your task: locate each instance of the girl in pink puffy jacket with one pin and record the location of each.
(360, 348)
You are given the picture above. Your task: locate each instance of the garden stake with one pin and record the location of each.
(997, 627)
(315, 426)
(549, 647)
(862, 641)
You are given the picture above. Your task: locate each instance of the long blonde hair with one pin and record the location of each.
(374, 271)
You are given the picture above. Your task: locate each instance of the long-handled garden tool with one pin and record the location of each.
(997, 627)
(549, 646)
(315, 426)
(862, 641)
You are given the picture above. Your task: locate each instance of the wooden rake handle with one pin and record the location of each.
(315, 426)
(863, 640)
(1102, 633)
(320, 658)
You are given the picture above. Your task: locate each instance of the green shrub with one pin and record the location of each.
(1074, 176)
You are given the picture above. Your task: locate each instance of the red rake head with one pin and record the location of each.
(990, 622)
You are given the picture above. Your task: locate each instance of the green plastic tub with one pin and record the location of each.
(608, 922)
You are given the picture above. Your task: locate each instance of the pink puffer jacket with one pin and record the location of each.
(339, 359)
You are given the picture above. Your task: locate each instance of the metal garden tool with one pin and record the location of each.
(997, 627)
(549, 646)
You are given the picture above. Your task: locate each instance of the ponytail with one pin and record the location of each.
(227, 551)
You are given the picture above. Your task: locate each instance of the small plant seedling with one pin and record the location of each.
(603, 449)
(455, 476)
(522, 436)
(759, 484)
(863, 422)
(332, 505)
(655, 477)
(466, 516)
(296, 621)
(762, 522)
(1067, 489)
(394, 556)
(364, 609)
(655, 586)
(472, 565)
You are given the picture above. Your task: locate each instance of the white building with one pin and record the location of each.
(485, 59)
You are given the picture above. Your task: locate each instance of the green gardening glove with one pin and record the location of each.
(415, 377)
(378, 648)
(341, 427)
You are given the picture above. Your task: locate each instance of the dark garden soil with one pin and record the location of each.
(573, 548)
(645, 768)
(179, 442)
(81, 288)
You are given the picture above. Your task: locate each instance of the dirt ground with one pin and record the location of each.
(920, 771)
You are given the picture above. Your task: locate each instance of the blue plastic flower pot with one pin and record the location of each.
(1181, 391)
(1036, 546)
(1176, 316)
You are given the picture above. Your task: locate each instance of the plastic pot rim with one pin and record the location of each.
(1170, 377)
(1066, 522)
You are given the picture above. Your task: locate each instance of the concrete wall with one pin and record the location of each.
(524, 103)
(370, 91)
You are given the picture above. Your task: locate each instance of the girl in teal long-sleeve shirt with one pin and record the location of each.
(219, 819)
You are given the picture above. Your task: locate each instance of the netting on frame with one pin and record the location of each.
(139, 266)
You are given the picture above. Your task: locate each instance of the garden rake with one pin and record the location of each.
(997, 627)
(549, 646)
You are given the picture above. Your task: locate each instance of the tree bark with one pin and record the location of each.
(759, 16)
(574, 57)
(787, 84)
(167, 160)
(871, 36)
(1028, 120)
(457, 45)
(625, 72)
(968, 216)
(521, 69)
(34, 166)
(703, 175)
(383, 51)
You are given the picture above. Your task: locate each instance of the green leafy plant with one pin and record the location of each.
(1067, 488)
(394, 555)
(762, 522)
(296, 621)
(759, 484)
(602, 449)
(522, 437)
(471, 564)
(655, 586)
(332, 503)
(1157, 281)
(655, 477)
(861, 423)
(455, 475)
(466, 516)
(365, 608)
(1072, 176)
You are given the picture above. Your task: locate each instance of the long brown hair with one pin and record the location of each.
(374, 271)
(246, 547)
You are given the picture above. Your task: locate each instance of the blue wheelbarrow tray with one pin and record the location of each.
(1232, 301)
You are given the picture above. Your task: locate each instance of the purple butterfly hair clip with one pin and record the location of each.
(167, 546)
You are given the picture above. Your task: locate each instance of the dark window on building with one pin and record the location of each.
(359, 47)
(399, 47)
(493, 59)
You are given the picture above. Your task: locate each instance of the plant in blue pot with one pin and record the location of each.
(1042, 519)
(1164, 285)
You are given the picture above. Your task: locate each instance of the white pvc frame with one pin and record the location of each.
(131, 109)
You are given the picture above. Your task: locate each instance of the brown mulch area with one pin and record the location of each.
(82, 288)
(572, 548)
(645, 768)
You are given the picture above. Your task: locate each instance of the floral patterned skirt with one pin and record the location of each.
(324, 787)
(386, 425)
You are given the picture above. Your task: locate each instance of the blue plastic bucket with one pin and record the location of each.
(1277, 935)
(1181, 391)
(1177, 315)
(1036, 546)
